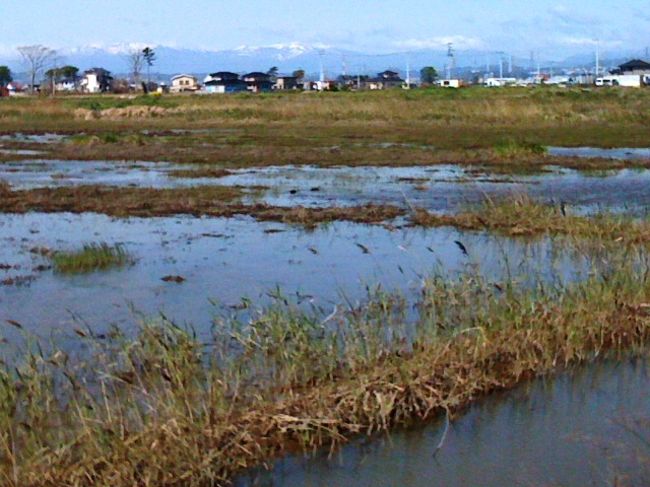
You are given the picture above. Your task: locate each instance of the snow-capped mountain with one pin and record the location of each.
(286, 57)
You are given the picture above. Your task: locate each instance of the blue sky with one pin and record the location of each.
(373, 26)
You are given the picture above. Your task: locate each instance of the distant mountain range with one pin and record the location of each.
(289, 57)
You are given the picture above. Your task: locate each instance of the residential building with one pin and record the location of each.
(385, 80)
(258, 82)
(352, 82)
(96, 80)
(68, 84)
(635, 66)
(499, 82)
(184, 83)
(224, 82)
(284, 83)
(449, 83)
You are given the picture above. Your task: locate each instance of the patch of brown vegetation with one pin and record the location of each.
(216, 201)
(521, 216)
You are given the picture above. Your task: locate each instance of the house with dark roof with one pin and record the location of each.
(224, 82)
(284, 83)
(635, 66)
(385, 80)
(258, 82)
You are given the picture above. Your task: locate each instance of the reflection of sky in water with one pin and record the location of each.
(227, 259)
(572, 431)
(444, 188)
(620, 153)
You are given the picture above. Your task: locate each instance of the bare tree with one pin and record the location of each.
(36, 58)
(135, 60)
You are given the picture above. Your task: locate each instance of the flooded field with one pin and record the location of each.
(589, 426)
(413, 287)
(222, 261)
(443, 188)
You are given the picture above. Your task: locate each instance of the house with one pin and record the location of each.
(499, 82)
(352, 82)
(258, 82)
(636, 66)
(67, 84)
(449, 83)
(184, 83)
(385, 80)
(96, 80)
(284, 83)
(16, 89)
(224, 82)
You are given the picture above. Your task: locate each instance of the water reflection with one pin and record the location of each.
(587, 427)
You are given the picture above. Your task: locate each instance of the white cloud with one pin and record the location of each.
(459, 42)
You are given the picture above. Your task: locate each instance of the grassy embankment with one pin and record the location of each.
(165, 408)
(387, 128)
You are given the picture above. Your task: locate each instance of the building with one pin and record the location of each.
(498, 82)
(284, 83)
(385, 80)
(96, 80)
(67, 84)
(352, 82)
(636, 66)
(224, 82)
(184, 83)
(258, 82)
(449, 83)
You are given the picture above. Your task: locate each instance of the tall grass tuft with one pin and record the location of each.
(92, 257)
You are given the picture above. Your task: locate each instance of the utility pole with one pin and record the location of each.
(451, 63)
(501, 54)
(408, 74)
(597, 58)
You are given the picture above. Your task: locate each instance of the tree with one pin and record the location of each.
(428, 75)
(273, 73)
(299, 74)
(135, 60)
(56, 74)
(149, 57)
(5, 76)
(36, 58)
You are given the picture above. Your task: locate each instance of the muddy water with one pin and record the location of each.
(590, 427)
(227, 259)
(445, 188)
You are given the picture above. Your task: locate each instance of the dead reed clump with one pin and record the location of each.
(522, 216)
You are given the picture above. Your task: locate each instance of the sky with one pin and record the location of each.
(518, 27)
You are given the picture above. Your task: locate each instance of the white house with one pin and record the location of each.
(499, 82)
(184, 83)
(96, 80)
(449, 83)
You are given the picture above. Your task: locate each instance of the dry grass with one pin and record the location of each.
(521, 216)
(216, 201)
(162, 408)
